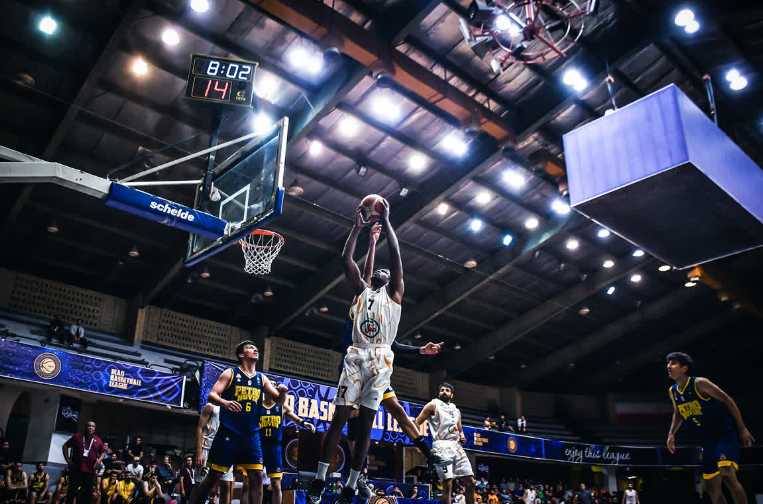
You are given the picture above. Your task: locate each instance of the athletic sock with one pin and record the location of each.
(352, 481)
(423, 446)
(323, 467)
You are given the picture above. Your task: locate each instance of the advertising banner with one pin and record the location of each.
(70, 370)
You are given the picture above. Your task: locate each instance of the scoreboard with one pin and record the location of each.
(221, 80)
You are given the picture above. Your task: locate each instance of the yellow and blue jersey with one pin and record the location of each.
(706, 414)
(247, 391)
(271, 423)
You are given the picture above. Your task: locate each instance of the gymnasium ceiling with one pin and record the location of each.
(518, 317)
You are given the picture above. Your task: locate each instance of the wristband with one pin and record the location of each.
(302, 423)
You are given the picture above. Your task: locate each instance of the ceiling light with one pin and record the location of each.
(513, 178)
(442, 208)
(531, 223)
(383, 107)
(140, 67)
(315, 65)
(603, 233)
(475, 225)
(492, 357)
(48, 25)
(471, 263)
(205, 273)
(417, 162)
(611, 290)
(403, 192)
(507, 240)
(268, 292)
(503, 22)
(692, 27)
(636, 278)
(664, 268)
(348, 127)
(455, 144)
(361, 170)
(608, 263)
(324, 308)
(684, 17)
(724, 296)
(690, 284)
(298, 57)
(638, 253)
(315, 148)
(417, 336)
(457, 346)
(584, 310)
(170, 37)
(262, 123)
(200, 5)
(523, 365)
(571, 77)
(134, 251)
(295, 189)
(572, 244)
(560, 207)
(483, 198)
(266, 87)
(580, 85)
(738, 84)
(732, 75)
(694, 278)
(52, 227)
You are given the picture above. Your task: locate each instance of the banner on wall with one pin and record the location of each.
(80, 372)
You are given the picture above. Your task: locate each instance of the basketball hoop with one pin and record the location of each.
(260, 248)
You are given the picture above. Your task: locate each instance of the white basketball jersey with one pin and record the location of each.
(444, 423)
(630, 496)
(530, 496)
(375, 318)
(208, 433)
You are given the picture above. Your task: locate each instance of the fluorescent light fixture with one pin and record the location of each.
(690, 284)
(507, 240)
(48, 25)
(200, 5)
(584, 310)
(140, 67)
(636, 278)
(611, 290)
(442, 208)
(348, 127)
(572, 244)
(638, 253)
(483, 198)
(608, 263)
(664, 268)
(692, 27)
(315, 148)
(475, 225)
(603, 233)
(471, 263)
(315, 64)
(417, 162)
(531, 223)
(384, 107)
(261, 123)
(455, 144)
(513, 178)
(170, 37)
(560, 207)
(684, 17)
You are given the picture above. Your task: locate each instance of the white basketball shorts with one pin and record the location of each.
(452, 450)
(365, 377)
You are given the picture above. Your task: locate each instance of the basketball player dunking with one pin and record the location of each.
(389, 400)
(368, 363)
(239, 393)
(447, 432)
(710, 410)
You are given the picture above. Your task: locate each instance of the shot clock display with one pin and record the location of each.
(221, 80)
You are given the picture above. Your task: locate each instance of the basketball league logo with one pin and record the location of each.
(47, 365)
(512, 444)
(382, 499)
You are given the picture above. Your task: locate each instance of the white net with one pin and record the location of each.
(260, 248)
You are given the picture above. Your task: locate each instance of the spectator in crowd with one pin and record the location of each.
(521, 424)
(134, 449)
(397, 493)
(458, 496)
(584, 496)
(520, 490)
(492, 496)
(166, 475)
(529, 496)
(186, 477)
(125, 490)
(152, 491)
(540, 492)
(109, 487)
(513, 484)
(77, 335)
(604, 495)
(503, 485)
(83, 461)
(504, 424)
(505, 496)
(481, 484)
(135, 469)
(16, 483)
(5, 457)
(488, 424)
(62, 488)
(38, 485)
(56, 330)
(415, 493)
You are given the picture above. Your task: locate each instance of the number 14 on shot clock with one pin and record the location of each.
(223, 81)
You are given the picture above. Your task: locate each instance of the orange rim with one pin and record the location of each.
(263, 232)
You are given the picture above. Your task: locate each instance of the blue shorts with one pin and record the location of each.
(721, 452)
(271, 454)
(229, 449)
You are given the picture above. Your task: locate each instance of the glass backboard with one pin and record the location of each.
(250, 186)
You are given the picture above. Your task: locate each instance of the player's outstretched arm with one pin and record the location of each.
(218, 388)
(206, 414)
(396, 286)
(708, 388)
(427, 412)
(277, 394)
(289, 413)
(351, 271)
(368, 268)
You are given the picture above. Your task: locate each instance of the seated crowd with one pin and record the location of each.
(520, 491)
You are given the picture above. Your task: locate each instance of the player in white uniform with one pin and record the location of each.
(447, 432)
(630, 496)
(368, 362)
(209, 422)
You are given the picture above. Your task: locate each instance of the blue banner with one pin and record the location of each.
(70, 370)
(165, 212)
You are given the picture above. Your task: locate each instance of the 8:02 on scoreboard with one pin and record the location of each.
(221, 80)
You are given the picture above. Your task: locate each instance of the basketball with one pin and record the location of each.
(47, 366)
(371, 207)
